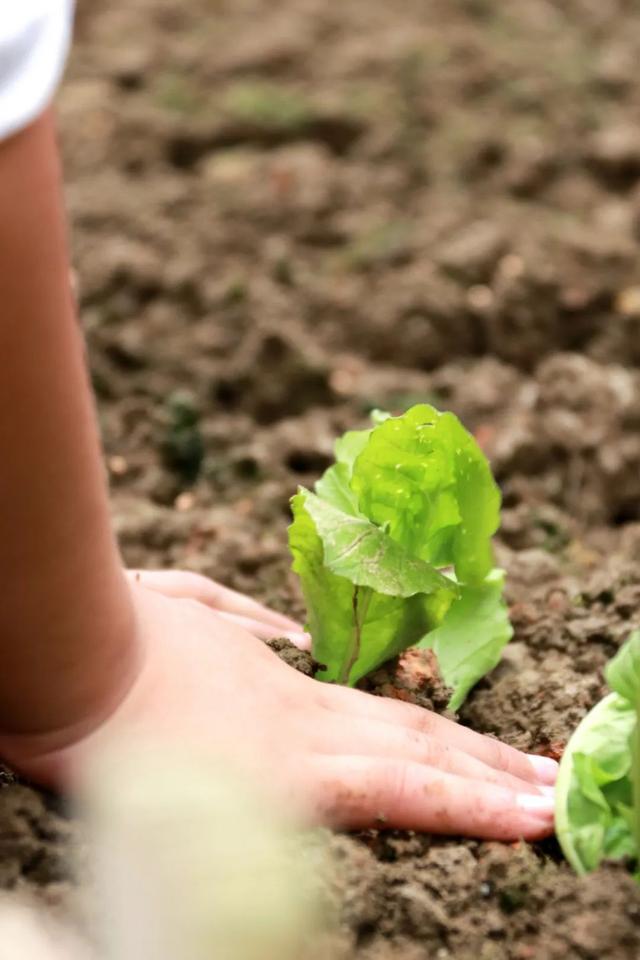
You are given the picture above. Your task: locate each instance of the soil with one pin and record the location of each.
(360, 205)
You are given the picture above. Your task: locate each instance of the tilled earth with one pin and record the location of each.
(285, 215)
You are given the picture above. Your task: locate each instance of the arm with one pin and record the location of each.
(66, 627)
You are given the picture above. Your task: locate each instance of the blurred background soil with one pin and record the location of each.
(286, 214)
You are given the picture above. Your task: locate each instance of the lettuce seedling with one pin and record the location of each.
(393, 549)
(598, 788)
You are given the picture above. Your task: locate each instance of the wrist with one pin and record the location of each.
(89, 700)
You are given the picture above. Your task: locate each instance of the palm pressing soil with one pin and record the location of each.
(286, 214)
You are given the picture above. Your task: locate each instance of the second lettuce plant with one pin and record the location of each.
(598, 788)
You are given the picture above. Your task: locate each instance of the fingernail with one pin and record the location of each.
(547, 791)
(301, 640)
(536, 805)
(545, 769)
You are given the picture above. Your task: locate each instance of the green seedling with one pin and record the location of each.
(393, 550)
(267, 104)
(177, 92)
(386, 243)
(598, 788)
(182, 445)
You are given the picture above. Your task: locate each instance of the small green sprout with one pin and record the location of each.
(182, 445)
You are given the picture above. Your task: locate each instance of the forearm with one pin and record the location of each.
(66, 633)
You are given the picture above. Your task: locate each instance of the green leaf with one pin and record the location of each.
(357, 549)
(350, 445)
(623, 672)
(623, 675)
(593, 791)
(329, 598)
(334, 488)
(335, 484)
(470, 639)
(366, 601)
(425, 479)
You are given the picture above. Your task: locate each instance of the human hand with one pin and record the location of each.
(261, 621)
(341, 756)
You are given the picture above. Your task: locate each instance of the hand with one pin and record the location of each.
(344, 757)
(263, 623)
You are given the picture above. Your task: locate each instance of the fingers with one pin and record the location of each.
(365, 737)
(493, 753)
(193, 586)
(355, 791)
(265, 631)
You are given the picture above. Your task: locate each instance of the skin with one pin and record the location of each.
(89, 652)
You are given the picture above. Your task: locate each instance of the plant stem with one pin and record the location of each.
(355, 641)
(359, 603)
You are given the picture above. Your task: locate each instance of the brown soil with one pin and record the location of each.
(358, 205)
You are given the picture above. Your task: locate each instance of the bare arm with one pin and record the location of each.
(66, 626)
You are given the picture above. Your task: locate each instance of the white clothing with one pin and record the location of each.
(34, 41)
